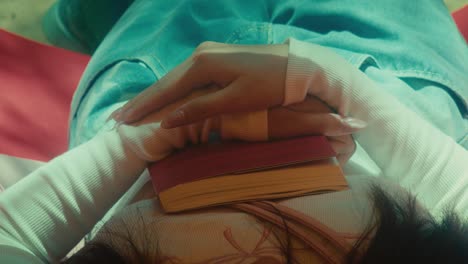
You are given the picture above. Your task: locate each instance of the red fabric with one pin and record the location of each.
(461, 19)
(36, 86)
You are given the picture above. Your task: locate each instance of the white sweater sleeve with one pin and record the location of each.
(407, 148)
(45, 214)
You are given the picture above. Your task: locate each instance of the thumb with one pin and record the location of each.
(283, 123)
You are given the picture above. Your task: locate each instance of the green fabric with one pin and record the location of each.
(81, 25)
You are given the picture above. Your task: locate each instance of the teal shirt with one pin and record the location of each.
(421, 56)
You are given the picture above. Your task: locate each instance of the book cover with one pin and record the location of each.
(209, 160)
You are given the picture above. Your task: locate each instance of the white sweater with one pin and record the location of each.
(44, 215)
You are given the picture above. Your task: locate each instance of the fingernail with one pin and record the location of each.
(174, 119)
(115, 115)
(354, 122)
(126, 116)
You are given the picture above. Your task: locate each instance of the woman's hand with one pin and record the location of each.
(310, 117)
(250, 78)
(313, 117)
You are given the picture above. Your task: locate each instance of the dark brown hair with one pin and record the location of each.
(402, 232)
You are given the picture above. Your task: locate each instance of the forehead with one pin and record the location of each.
(219, 234)
(195, 236)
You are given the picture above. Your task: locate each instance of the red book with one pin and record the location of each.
(223, 172)
(203, 161)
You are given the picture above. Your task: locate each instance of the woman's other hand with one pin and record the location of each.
(244, 78)
(313, 117)
(310, 117)
(250, 78)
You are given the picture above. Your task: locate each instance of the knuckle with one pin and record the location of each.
(203, 48)
(200, 56)
(206, 45)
